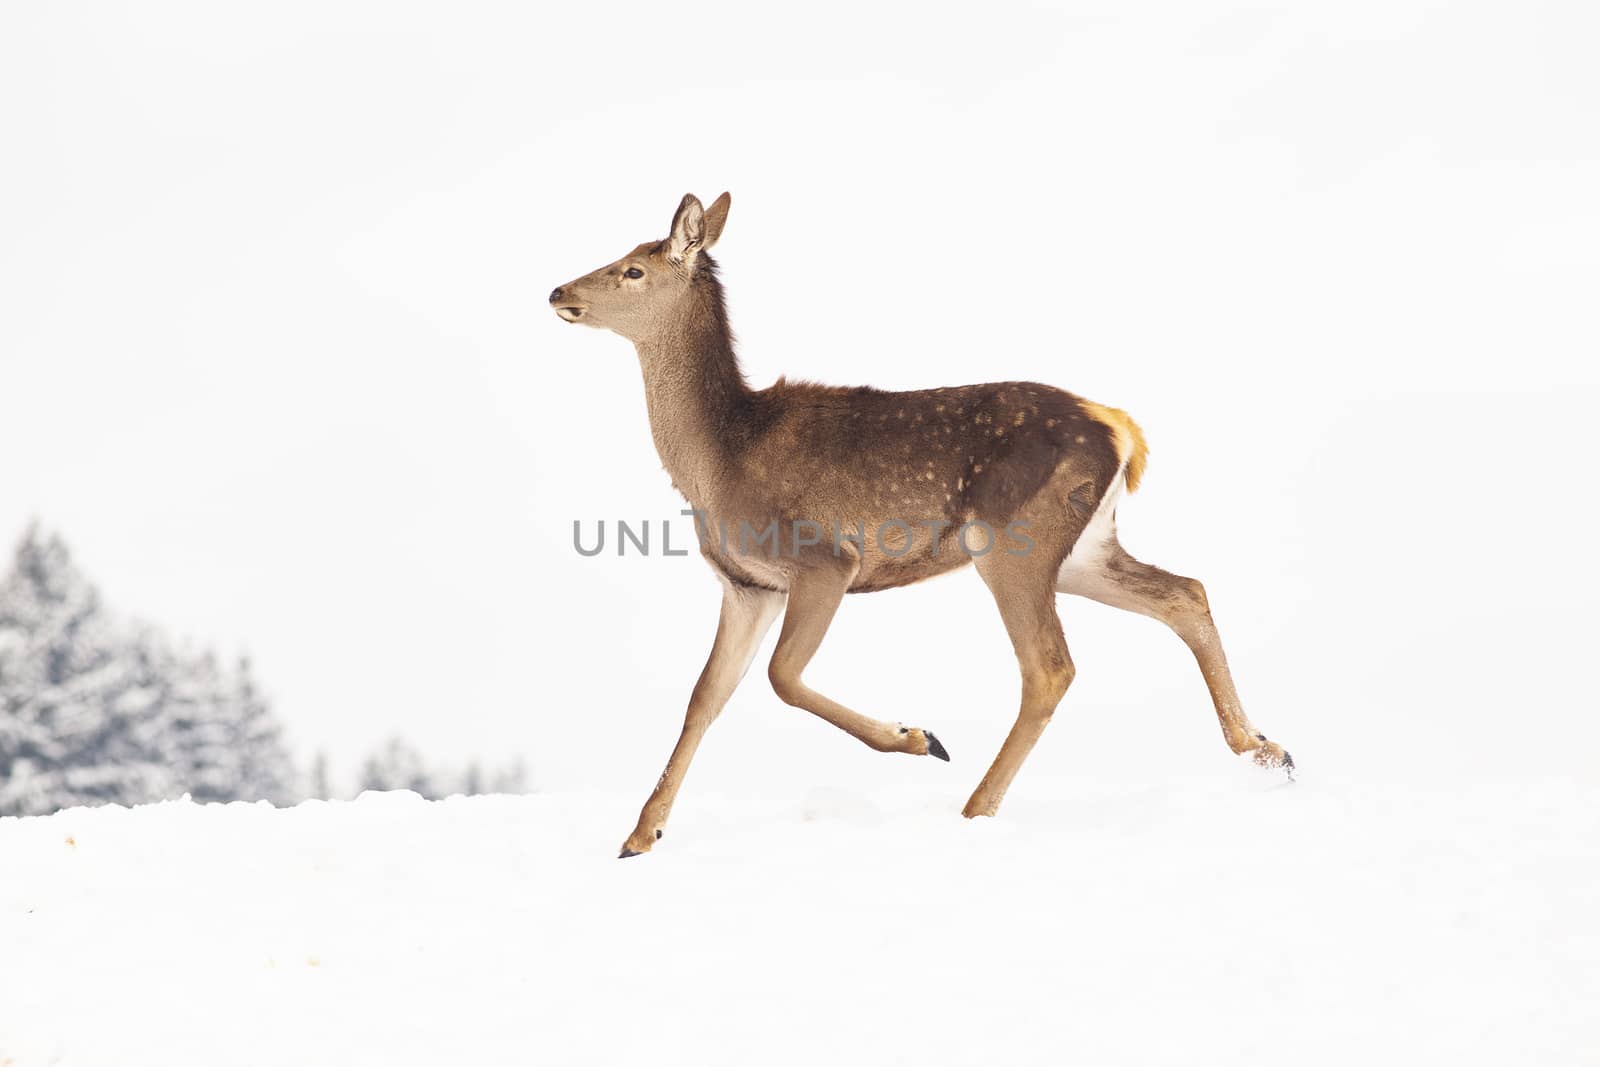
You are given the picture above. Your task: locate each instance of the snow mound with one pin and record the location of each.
(1195, 922)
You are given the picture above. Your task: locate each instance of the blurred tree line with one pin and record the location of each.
(96, 710)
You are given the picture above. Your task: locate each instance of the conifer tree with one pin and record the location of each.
(78, 713)
(93, 710)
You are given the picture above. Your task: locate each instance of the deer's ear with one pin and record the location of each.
(688, 235)
(716, 218)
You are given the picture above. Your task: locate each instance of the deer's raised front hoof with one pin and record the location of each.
(917, 743)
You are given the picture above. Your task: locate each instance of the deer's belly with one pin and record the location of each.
(881, 571)
(887, 558)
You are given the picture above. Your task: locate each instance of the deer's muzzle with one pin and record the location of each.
(565, 306)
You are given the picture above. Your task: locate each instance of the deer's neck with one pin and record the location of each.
(696, 395)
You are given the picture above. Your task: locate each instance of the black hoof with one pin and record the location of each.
(935, 748)
(625, 853)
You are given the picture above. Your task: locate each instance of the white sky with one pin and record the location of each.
(275, 355)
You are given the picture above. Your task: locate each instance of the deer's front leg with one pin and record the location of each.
(814, 596)
(747, 614)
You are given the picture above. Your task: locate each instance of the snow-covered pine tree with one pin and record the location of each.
(200, 734)
(76, 712)
(263, 768)
(217, 733)
(96, 711)
(399, 766)
(512, 778)
(320, 783)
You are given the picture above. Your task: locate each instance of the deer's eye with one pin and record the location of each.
(633, 272)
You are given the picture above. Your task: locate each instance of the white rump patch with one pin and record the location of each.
(1089, 554)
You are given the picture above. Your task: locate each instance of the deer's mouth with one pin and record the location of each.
(570, 313)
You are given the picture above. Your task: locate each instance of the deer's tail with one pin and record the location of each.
(1129, 439)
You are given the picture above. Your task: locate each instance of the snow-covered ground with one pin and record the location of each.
(1218, 919)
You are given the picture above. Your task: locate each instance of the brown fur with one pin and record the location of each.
(1016, 456)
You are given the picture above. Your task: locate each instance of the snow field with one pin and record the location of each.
(1218, 919)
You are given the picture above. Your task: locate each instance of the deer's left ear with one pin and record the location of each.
(716, 218)
(688, 235)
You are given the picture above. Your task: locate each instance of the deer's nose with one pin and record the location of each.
(555, 295)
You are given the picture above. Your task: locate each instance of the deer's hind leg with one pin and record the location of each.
(814, 596)
(1066, 511)
(1106, 572)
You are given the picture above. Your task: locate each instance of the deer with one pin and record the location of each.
(908, 485)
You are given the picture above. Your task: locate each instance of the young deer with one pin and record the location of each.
(804, 493)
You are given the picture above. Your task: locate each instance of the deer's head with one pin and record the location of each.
(648, 290)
